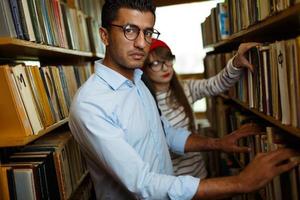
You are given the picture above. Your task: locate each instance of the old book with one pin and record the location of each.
(7, 28)
(51, 92)
(291, 69)
(38, 32)
(276, 106)
(25, 184)
(47, 158)
(58, 143)
(283, 82)
(26, 20)
(54, 72)
(14, 8)
(14, 119)
(21, 80)
(41, 95)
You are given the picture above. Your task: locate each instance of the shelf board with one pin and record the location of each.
(9, 47)
(98, 55)
(21, 141)
(280, 22)
(292, 130)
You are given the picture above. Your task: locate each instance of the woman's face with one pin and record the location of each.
(160, 71)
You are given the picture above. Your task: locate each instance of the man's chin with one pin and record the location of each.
(135, 65)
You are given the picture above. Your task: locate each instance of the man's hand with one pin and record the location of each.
(240, 59)
(229, 142)
(264, 167)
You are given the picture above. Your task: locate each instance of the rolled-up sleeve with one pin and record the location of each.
(176, 137)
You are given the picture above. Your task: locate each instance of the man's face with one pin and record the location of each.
(125, 54)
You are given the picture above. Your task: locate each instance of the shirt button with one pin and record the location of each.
(129, 83)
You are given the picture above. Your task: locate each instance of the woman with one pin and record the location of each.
(175, 98)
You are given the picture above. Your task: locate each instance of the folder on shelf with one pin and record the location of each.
(40, 95)
(14, 119)
(21, 80)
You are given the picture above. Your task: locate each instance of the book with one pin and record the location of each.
(21, 80)
(283, 82)
(15, 121)
(14, 8)
(46, 157)
(7, 28)
(40, 95)
(24, 184)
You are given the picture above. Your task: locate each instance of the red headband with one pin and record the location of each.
(158, 43)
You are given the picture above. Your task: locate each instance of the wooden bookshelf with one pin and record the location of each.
(21, 141)
(268, 29)
(294, 131)
(16, 48)
(267, 90)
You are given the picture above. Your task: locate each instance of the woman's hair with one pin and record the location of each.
(176, 91)
(111, 8)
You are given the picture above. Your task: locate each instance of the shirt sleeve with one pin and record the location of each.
(176, 137)
(121, 161)
(217, 84)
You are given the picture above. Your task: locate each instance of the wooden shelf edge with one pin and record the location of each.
(6, 41)
(289, 12)
(21, 141)
(98, 55)
(292, 130)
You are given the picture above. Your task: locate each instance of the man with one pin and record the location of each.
(116, 122)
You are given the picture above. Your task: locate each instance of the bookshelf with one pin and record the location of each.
(287, 20)
(22, 141)
(12, 47)
(292, 130)
(270, 95)
(275, 26)
(46, 53)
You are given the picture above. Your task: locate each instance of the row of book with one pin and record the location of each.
(50, 22)
(37, 97)
(50, 168)
(233, 16)
(273, 87)
(228, 119)
(92, 8)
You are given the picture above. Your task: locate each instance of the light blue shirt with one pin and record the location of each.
(117, 124)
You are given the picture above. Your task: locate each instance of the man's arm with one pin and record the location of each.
(228, 143)
(257, 174)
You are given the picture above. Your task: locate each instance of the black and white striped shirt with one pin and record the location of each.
(193, 163)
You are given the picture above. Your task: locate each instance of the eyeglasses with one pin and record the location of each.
(158, 65)
(131, 32)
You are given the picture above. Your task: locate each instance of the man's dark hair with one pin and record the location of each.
(111, 7)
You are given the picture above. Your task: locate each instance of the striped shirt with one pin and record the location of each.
(192, 163)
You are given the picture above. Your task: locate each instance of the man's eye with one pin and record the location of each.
(130, 30)
(148, 33)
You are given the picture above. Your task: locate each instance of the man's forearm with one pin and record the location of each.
(196, 142)
(219, 188)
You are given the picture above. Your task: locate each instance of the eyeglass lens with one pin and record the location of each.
(131, 32)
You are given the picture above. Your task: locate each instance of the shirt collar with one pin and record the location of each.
(113, 78)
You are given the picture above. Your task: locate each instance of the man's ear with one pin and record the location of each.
(104, 35)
